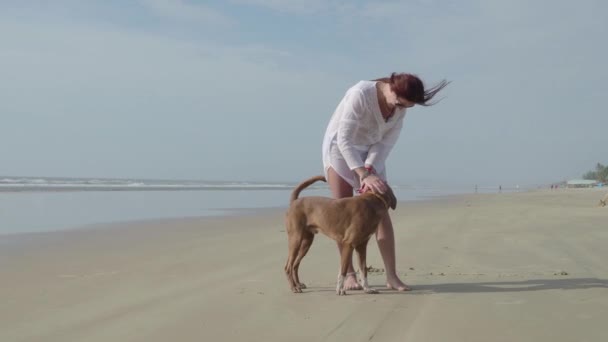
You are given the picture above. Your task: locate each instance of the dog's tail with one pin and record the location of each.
(304, 185)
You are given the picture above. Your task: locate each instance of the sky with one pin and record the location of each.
(244, 89)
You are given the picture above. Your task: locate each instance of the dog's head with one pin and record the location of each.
(389, 198)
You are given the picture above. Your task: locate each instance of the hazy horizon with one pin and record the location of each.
(8, 179)
(242, 90)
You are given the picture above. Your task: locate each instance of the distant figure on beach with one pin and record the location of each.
(604, 200)
(475, 188)
(359, 137)
(500, 188)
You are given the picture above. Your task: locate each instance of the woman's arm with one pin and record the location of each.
(347, 129)
(379, 151)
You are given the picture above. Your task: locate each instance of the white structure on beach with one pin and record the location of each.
(581, 183)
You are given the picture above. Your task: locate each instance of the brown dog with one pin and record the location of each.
(351, 221)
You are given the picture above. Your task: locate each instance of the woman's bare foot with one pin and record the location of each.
(394, 283)
(351, 283)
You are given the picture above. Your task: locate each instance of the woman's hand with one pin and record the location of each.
(373, 183)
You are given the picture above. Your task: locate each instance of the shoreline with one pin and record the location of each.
(226, 213)
(244, 213)
(62, 210)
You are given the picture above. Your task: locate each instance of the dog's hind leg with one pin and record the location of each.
(307, 239)
(294, 241)
(346, 255)
(362, 253)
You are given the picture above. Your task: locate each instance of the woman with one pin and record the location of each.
(360, 135)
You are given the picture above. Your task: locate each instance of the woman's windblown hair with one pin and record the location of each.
(411, 88)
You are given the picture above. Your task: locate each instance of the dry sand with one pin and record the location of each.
(504, 267)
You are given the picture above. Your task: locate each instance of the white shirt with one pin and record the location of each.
(357, 126)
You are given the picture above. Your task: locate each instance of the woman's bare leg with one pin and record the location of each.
(340, 189)
(385, 236)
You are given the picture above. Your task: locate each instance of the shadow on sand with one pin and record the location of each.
(491, 286)
(513, 286)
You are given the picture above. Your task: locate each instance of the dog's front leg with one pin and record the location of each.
(346, 255)
(362, 253)
(340, 285)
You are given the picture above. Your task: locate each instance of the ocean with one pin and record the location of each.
(43, 204)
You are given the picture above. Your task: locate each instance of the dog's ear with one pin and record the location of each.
(390, 198)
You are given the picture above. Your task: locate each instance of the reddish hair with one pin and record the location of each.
(411, 88)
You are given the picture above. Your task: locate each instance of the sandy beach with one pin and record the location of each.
(527, 266)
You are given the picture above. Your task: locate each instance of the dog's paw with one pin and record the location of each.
(341, 292)
(370, 291)
(296, 290)
(302, 286)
